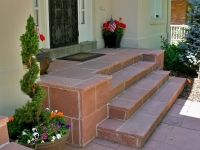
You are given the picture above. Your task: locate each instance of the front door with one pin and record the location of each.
(63, 22)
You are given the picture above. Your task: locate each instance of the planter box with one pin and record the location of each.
(112, 41)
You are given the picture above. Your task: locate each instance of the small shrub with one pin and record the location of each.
(171, 58)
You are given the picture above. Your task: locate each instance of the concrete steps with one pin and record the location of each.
(115, 86)
(126, 104)
(125, 78)
(137, 129)
(14, 146)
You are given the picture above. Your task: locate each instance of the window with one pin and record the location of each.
(156, 8)
(35, 12)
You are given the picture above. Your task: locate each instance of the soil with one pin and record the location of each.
(191, 90)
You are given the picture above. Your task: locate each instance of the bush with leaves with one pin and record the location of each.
(191, 46)
(171, 58)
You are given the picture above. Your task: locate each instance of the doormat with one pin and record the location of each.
(81, 56)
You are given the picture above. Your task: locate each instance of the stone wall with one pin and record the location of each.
(178, 10)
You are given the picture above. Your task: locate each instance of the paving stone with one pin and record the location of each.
(93, 146)
(172, 120)
(106, 143)
(178, 111)
(177, 136)
(191, 123)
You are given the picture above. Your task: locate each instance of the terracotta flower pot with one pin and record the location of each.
(56, 145)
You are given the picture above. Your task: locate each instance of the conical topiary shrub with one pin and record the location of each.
(29, 114)
(30, 125)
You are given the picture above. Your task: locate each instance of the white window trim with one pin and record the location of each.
(36, 10)
(157, 8)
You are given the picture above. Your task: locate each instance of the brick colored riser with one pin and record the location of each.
(136, 96)
(136, 131)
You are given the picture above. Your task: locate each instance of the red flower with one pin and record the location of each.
(116, 22)
(108, 29)
(108, 22)
(105, 25)
(122, 25)
(42, 37)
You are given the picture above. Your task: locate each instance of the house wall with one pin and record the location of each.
(99, 17)
(141, 31)
(128, 10)
(178, 11)
(13, 16)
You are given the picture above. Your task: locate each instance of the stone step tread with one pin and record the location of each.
(127, 73)
(140, 126)
(14, 146)
(130, 100)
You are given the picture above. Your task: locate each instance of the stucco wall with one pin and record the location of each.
(128, 10)
(141, 31)
(99, 17)
(149, 29)
(13, 16)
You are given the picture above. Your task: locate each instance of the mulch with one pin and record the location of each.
(191, 90)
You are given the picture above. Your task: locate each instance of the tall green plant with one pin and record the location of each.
(29, 114)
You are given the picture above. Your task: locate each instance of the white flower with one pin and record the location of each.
(24, 133)
(36, 135)
(58, 136)
(28, 141)
(34, 129)
(47, 109)
(53, 138)
(56, 111)
(33, 141)
(42, 141)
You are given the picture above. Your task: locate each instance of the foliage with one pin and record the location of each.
(119, 30)
(31, 114)
(171, 58)
(191, 45)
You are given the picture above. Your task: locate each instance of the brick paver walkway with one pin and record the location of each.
(179, 130)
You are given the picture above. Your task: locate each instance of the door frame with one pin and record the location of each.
(89, 16)
(44, 21)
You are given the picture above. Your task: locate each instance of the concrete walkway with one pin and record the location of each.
(179, 130)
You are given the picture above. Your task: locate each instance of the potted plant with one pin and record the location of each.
(112, 32)
(30, 125)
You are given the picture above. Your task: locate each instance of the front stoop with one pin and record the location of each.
(115, 86)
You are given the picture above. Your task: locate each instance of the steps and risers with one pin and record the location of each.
(4, 138)
(88, 88)
(125, 78)
(137, 129)
(126, 104)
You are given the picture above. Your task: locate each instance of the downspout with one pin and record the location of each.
(168, 20)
